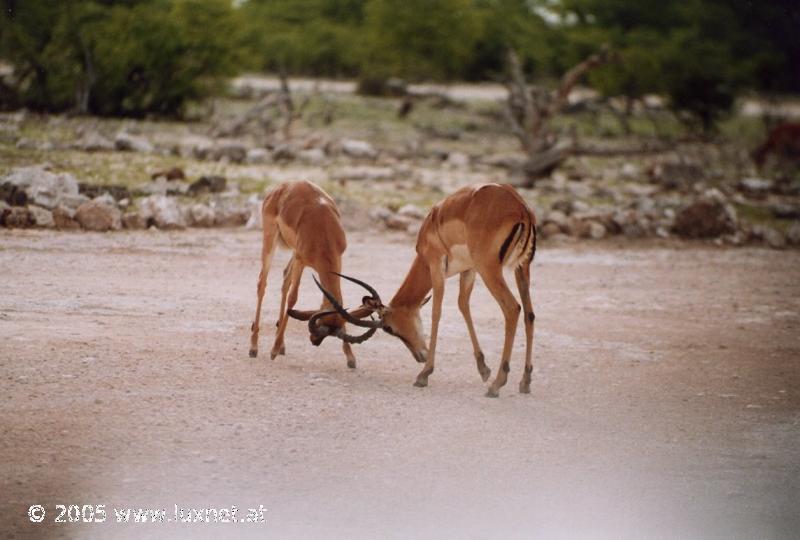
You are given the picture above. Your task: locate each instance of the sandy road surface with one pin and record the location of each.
(664, 403)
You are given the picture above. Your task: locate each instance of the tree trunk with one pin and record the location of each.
(83, 92)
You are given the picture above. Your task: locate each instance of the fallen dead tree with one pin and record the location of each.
(647, 147)
(275, 112)
(530, 108)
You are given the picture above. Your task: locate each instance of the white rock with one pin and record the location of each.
(773, 237)
(412, 211)
(195, 146)
(459, 160)
(162, 186)
(254, 221)
(756, 185)
(201, 215)
(41, 217)
(230, 212)
(125, 141)
(580, 206)
(715, 195)
(105, 198)
(358, 149)
(579, 190)
(558, 217)
(596, 230)
(630, 171)
(164, 211)
(43, 187)
(231, 150)
(256, 156)
(314, 156)
(398, 222)
(364, 173)
(380, 213)
(72, 201)
(94, 142)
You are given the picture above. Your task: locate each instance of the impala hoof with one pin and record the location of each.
(253, 353)
(491, 392)
(420, 384)
(351, 364)
(524, 388)
(486, 374)
(275, 353)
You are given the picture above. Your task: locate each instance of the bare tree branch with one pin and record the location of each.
(529, 109)
(573, 76)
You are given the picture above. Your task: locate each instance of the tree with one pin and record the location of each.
(504, 25)
(700, 53)
(418, 39)
(314, 37)
(117, 58)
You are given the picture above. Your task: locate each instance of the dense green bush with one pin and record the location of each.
(134, 57)
(117, 58)
(699, 53)
(309, 37)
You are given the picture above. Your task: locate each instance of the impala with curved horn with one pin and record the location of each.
(302, 217)
(480, 229)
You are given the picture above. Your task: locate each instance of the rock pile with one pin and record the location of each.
(39, 197)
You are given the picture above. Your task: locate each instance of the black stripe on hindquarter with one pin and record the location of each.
(508, 240)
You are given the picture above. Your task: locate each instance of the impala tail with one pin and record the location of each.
(520, 245)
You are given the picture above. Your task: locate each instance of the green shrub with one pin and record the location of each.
(117, 58)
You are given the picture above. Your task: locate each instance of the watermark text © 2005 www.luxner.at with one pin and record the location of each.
(89, 513)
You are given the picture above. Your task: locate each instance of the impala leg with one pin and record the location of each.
(493, 277)
(466, 283)
(437, 280)
(285, 290)
(295, 273)
(348, 352)
(267, 248)
(523, 275)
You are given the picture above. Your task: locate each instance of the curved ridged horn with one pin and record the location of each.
(373, 292)
(315, 329)
(343, 312)
(344, 336)
(321, 332)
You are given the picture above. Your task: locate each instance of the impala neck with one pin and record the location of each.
(331, 283)
(415, 287)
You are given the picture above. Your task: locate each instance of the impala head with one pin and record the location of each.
(403, 322)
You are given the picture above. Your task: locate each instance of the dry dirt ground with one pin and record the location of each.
(665, 400)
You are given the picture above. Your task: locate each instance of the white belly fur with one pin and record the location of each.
(458, 261)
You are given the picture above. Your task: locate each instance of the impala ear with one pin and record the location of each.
(370, 303)
(300, 315)
(427, 299)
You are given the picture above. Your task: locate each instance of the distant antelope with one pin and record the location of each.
(476, 229)
(302, 217)
(783, 140)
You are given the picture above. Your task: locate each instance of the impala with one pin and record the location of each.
(303, 218)
(783, 140)
(480, 229)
